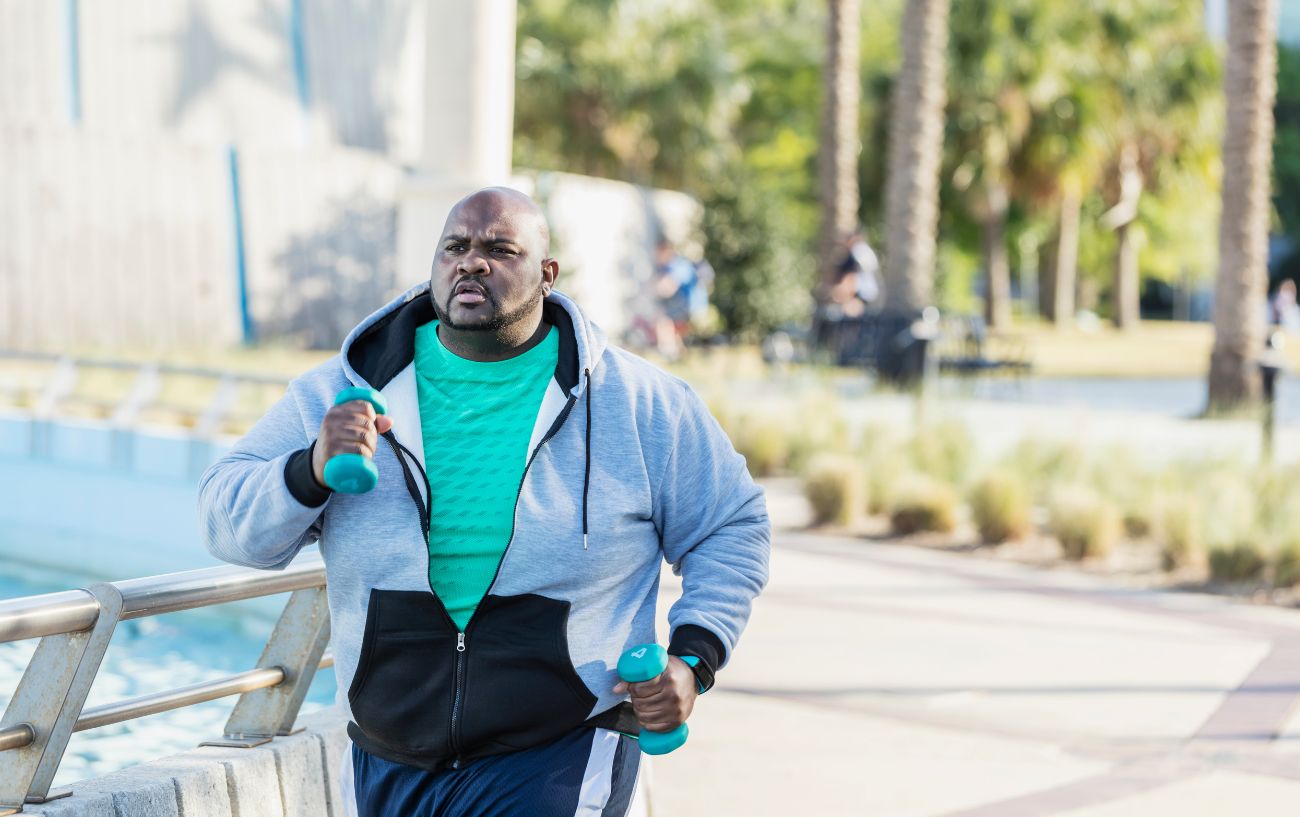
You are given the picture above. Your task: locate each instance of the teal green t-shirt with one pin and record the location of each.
(477, 420)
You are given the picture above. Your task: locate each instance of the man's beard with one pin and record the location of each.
(499, 320)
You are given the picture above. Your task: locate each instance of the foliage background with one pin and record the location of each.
(722, 99)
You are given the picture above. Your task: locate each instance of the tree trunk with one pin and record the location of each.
(1066, 257)
(1124, 297)
(915, 150)
(1120, 218)
(1250, 86)
(1047, 278)
(997, 265)
(840, 145)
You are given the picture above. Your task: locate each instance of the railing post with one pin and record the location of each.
(295, 647)
(49, 700)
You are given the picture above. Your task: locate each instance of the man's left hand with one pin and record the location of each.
(664, 703)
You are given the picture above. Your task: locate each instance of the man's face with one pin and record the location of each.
(489, 271)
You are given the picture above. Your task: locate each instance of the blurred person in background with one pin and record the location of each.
(533, 480)
(682, 289)
(1283, 312)
(857, 282)
(855, 291)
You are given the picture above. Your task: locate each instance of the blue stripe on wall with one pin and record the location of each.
(297, 42)
(72, 47)
(241, 260)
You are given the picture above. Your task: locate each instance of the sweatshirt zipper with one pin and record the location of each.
(458, 695)
(459, 692)
(458, 688)
(514, 519)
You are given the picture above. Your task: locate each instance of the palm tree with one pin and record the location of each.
(915, 151)
(1250, 86)
(1009, 133)
(1063, 152)
(842, 91)
(1154, 115)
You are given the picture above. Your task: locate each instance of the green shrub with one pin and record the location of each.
(721, 409)
(765, 444)
(828, 434)
(1237, 562)
(1137, 523)
(1230, 513)
(885, 462)
(1136, 494)
(882, 484)
(1178, 530)
(1086, 524)
(943, 450)
(834, 487)
(1286, 565)
(1278, 495)
(1047, 463)
(923, 503)
(1000, 504)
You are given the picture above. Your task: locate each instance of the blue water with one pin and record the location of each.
(151, 655)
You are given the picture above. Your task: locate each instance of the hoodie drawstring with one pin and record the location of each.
(586, 474)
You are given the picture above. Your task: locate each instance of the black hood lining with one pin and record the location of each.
(387, 347)
(566, 367)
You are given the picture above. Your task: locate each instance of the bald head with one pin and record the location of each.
(504, 206)
(491, 273)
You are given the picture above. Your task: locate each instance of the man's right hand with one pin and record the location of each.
(348, 428)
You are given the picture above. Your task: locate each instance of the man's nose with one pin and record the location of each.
(473, 263)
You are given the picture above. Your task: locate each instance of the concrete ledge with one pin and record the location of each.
(294, 776)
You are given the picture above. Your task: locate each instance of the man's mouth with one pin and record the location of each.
(469, 293)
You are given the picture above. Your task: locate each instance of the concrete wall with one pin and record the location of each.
(112, 241)
(118, 242)
(194, 175)
(218, 72)
(293, 776)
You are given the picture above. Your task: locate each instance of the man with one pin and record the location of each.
(531, 480)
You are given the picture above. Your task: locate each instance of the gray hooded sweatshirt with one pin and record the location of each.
(625, 468)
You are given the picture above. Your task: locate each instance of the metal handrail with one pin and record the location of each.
(72, 611)
(75, 627)
(16, 737)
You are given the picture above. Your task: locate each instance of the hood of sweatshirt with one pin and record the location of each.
(379, 352)
(382, 345)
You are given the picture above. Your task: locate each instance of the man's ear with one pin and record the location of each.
(550, 271)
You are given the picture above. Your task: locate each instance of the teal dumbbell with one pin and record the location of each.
(354, 473)
(646, 663)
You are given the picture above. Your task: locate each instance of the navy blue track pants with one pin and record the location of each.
(589, 772)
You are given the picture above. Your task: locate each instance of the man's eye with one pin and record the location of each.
(455, 247)
(503, 251)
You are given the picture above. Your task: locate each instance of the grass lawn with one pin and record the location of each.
(1155, 349)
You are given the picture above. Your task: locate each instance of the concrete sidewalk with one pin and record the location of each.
(884, 681)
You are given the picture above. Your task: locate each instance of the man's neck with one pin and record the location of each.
(491, 347)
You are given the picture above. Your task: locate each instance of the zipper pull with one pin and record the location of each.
(460, 642)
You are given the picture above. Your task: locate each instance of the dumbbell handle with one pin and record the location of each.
(645, 663)
(354, 473)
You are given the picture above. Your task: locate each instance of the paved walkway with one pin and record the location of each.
(884, 681)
